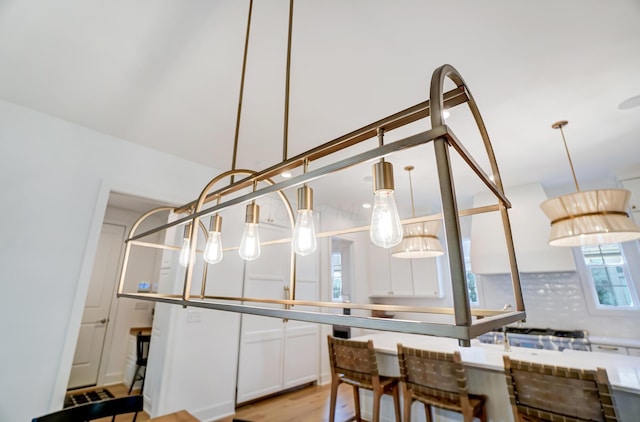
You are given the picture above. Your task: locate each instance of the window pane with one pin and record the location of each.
(603, 254)
(336, 276)
(611, 286)
(472, 288)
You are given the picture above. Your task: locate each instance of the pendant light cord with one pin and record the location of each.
(559, 125)
(413, 210)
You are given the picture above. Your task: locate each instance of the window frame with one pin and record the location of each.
(466, 252)
(631, 269)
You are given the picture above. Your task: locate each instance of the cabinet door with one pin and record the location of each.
(425, 277)
(301, 352)
(262, 339)
(401, 276)
(276, 354)
(379, 271)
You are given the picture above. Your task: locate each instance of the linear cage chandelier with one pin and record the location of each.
(244, 187)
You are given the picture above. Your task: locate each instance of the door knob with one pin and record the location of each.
(102, 321)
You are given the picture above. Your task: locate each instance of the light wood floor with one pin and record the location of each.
(309, 404)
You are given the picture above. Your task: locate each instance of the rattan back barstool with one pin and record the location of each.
(554, 393)
(437, 380)
(355, 363)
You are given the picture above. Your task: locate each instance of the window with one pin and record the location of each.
(609, 276)
(341, 270)
(472, 287)
(336, 276)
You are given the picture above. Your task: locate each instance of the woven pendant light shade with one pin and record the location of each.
(590, 218)
(420, 240)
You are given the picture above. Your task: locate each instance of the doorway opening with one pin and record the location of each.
(104, 347)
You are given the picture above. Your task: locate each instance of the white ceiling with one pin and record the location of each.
(166, 74)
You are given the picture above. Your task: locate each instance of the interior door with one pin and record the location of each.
(86, 361)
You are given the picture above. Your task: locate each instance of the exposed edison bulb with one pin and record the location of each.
(304, 233)
(213, 249)
(385, 230)
(185, 252)
(250, 243)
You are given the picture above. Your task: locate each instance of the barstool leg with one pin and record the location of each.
(396, 402)
(334, 395)
(377, 395)
(133, 381)
(356, 402)
(144, 378)
(427, 410)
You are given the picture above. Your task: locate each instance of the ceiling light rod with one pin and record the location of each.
(560, 125)
(409, 115)
(285, 131)
(408, 142)
(241, 93)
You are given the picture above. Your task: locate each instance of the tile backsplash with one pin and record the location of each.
(555, 300)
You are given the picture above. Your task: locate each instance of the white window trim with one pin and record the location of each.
(631, 268)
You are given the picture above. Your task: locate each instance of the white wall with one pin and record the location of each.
(194, 352)
(55, 178)
(557, 300)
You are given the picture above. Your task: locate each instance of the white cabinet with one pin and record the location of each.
(276, 354)
(396, 277)
(530, 228)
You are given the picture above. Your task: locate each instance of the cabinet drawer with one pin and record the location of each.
(606, 348)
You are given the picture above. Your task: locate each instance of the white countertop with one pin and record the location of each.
(623, 371)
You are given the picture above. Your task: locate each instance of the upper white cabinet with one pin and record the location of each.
(530, 228)
(395, 277)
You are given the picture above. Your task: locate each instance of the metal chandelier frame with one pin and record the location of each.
(468, 323)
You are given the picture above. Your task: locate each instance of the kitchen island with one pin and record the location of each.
(485, 373)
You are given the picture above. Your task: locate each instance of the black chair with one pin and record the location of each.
(96, 410)
(142, 352)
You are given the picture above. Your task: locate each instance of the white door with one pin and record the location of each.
(86, 361)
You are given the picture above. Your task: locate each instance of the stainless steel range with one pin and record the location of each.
(540, 338)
